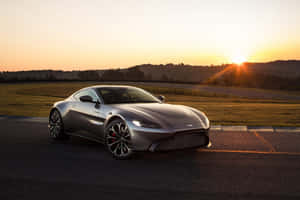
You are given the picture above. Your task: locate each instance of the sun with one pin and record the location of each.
(239, 59)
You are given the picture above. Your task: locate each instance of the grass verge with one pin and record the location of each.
(35, 99)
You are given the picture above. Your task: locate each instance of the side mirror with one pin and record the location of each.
(161, 98)
(86, 98)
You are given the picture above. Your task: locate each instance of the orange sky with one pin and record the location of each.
(95, 34)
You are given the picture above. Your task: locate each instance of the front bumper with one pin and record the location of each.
(173, 140)
(187, 139)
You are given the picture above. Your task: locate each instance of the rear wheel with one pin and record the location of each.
(56, 126)
(118, 139)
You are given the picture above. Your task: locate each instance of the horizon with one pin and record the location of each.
(185, 64)
(95, 35)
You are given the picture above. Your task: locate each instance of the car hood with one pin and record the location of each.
(166, 115)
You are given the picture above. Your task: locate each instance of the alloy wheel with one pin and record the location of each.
(118, 140)
(55, 124)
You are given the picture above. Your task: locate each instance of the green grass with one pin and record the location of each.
(35, 99)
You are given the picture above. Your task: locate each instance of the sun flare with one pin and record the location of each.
(238, 59)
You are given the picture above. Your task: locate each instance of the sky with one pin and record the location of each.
(98, 34)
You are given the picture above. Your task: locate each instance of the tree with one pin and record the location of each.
(134, 74)
(90, 75)
(164, 78)
(112, 75)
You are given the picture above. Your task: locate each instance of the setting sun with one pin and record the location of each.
(239, 59)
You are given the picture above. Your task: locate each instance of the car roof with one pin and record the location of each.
(108, 86)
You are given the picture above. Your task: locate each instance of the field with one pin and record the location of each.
(35, 99)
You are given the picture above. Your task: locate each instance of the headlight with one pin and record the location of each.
(145, 124)
(202, 116)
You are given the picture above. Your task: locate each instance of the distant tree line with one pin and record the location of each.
(131, 74)
(90, 75)
(274, 75)
(255, 80)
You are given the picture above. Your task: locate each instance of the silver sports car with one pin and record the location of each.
(128, 119)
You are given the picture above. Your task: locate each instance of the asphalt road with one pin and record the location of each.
(241, 165)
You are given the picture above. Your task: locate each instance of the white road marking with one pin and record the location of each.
(213, 127)
(247, 152)
(261, 129)
(234, 128)
(216, 128)
(287, 130)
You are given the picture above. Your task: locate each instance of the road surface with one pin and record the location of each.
(240, 165)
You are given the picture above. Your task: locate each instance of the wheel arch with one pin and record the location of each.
(53, 109)
(112, 118)
(61, 106)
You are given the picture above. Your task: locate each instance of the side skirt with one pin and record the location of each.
(98, 140)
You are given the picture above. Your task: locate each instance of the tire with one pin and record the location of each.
(56, 126)
(118, 139)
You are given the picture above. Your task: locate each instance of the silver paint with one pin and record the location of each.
(89, 120)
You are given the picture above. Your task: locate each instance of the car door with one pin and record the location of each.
(72, 119)
(90, 117)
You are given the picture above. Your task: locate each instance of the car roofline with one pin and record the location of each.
(109, 86)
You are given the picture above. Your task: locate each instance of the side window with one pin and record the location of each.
(84, 93)
(93, 95)
(80, 94)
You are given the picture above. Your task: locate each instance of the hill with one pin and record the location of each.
(274, 75)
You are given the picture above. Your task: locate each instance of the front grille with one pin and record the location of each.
(193, 131)
(182, 141)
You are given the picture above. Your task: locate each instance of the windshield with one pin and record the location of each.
(119, 95)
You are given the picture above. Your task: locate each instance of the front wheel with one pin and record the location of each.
(118, 139)
(56, 126)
